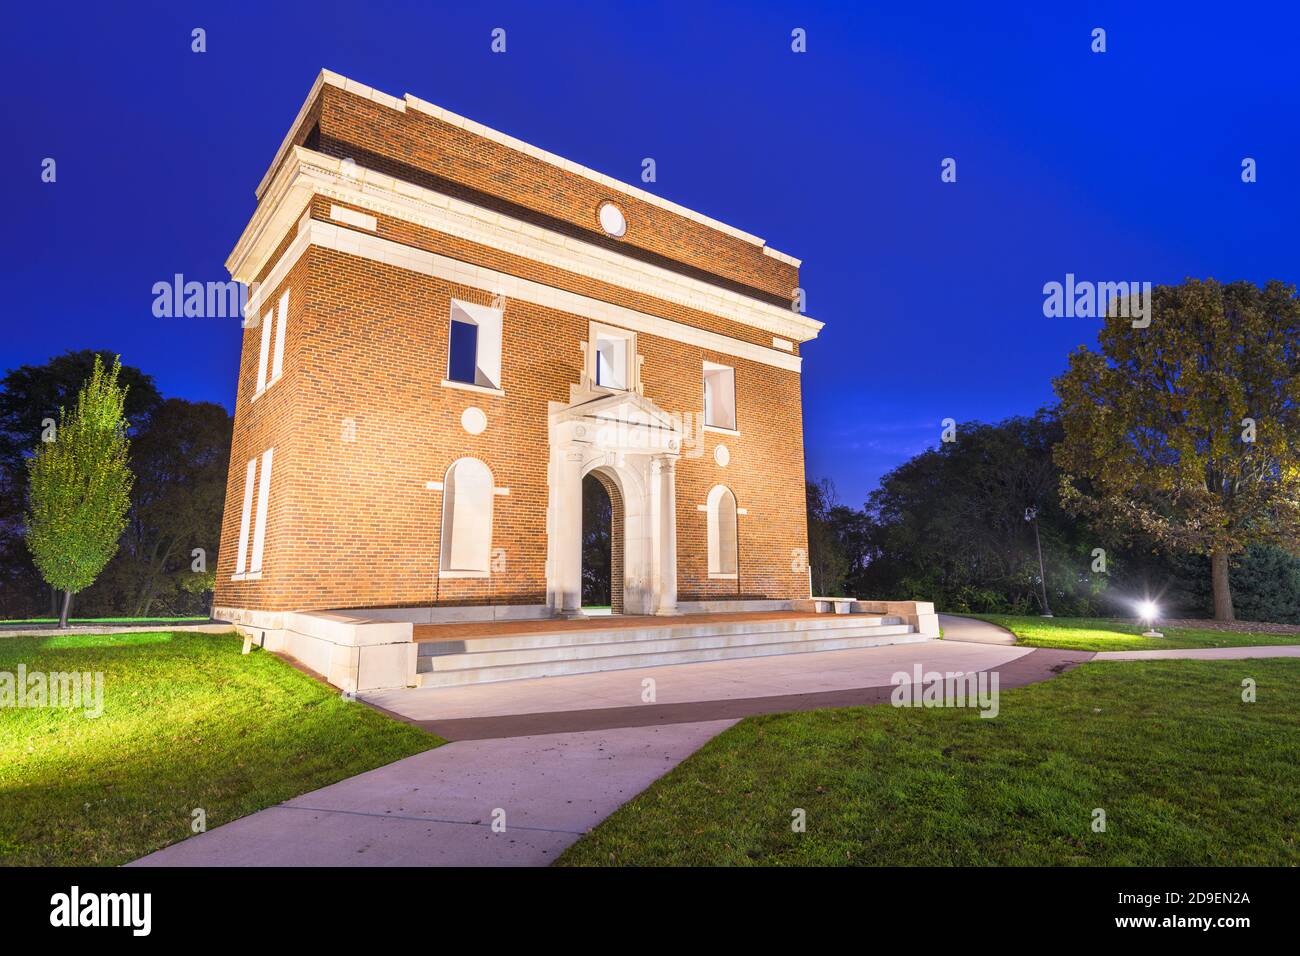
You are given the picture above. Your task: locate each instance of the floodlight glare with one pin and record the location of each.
(1148, 611)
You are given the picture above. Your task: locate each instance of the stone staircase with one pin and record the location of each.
(538, 652)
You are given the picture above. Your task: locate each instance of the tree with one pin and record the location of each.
(179, 460)
(29, 395)
(79, 488)
(949, 525)
(826, 553)
(1188, 430)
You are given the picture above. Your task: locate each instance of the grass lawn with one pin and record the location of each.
(191, 619)
(1100, 634)
(1187, 774)
(188, 722)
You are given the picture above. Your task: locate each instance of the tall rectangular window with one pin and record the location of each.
(241, 558)
(263, 500)
(277, 365)
(474, 345)
(270, 354)
(613, 357)
(264, 353)
(464, 352)
(719, 396)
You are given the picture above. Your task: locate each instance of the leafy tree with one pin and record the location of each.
(79, 488)
(201, 583)
(29, 395)
(179, 460)
(827, 557)
(949, 525)
(1188, 430)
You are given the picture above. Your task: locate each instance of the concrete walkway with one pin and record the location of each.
(559, 754)
(437, 808)
(971, 630)
(1204, 653)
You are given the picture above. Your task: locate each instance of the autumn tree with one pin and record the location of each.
(79, 487)
(1188, 430)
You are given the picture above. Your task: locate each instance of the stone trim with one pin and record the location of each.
(315, 174)
(312, 232)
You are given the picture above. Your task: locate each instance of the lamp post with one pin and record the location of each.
(1031, 515)
(1148, 611)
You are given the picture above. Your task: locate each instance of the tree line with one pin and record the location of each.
(1168, 469)
(108, 491)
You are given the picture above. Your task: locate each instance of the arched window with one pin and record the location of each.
(467, 519)
(721, 508)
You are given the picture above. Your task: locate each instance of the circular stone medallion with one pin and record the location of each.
(473, 420)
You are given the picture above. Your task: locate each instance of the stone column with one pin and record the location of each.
(568, 533)
(665, 476)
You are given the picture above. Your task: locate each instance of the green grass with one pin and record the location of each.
(188, 722)
(108, 620)
(1100, 634)
(1187, 774)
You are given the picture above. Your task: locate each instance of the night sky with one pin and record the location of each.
(1117, 166)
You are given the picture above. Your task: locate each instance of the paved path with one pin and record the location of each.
(1204, 653)
(556, 770)
(972, 630)
(776, 676)
(437, 808)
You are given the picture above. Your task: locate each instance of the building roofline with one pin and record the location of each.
(326, 77)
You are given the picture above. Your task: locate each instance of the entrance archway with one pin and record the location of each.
(603, 529)
(633, 447)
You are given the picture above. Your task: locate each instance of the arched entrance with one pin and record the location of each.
(603, 526)
(630, 447)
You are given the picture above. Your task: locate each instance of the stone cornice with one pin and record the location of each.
(326, 77)
(305, 174)
(313, 232)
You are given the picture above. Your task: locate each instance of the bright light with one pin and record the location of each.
(1148, 611)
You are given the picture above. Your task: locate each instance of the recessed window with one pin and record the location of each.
(721, 532)
(474, 345)
(254, 520)
(614, 352)
(611, 220)
(466, 519)
(270, 356)
(719, 396)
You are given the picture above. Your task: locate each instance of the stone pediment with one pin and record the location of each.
(618, 421)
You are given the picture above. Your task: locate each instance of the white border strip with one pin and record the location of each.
(341, 239)
(314, 174)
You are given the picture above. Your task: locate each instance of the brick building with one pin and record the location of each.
(447, 330)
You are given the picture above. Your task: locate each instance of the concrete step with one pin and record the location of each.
(527, 639)
(474, 657)
(900, 634)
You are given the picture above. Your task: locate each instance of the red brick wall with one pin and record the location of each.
(352, 524)
(416, 147)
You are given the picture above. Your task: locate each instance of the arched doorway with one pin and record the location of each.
(603, 529)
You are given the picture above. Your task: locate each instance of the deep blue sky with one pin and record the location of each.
(1117, 166)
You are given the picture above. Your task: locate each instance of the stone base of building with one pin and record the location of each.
(355, 654)
(369, 649)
